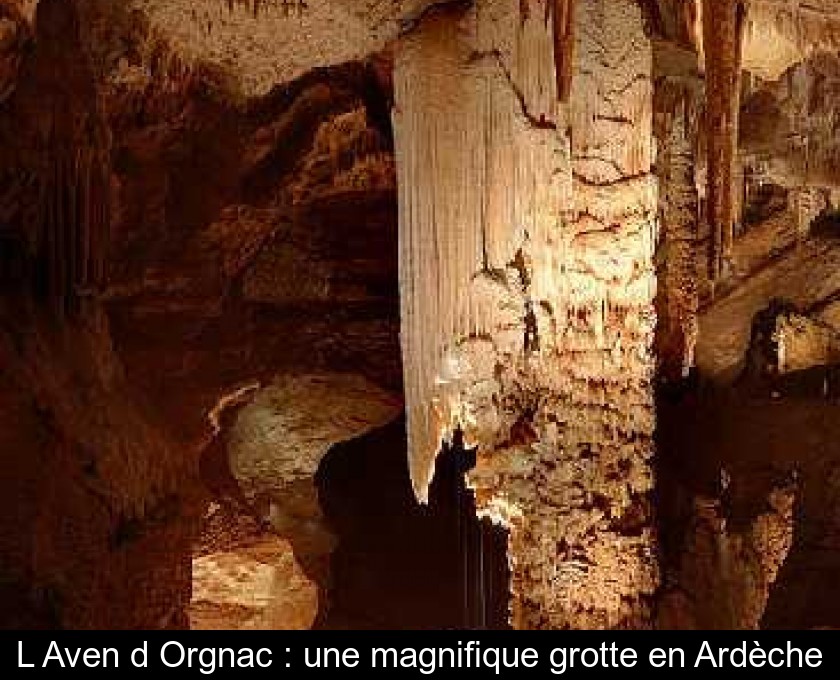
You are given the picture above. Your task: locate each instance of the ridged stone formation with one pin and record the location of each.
(527, 233)
(209, 313)
(678, 104)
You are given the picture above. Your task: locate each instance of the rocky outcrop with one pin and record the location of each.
(741, 496)
(726, 573)
(109, 498)
(803, 342)
(808, 276)
(276, 446)
(245, 577)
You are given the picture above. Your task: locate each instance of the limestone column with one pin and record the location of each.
(527, 229)
(609, 569)
(723, 26)
(678, 105)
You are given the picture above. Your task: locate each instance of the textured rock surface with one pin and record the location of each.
(261, 43)
(445, 302)
(527, 305)
(109, 498)
(292, 268)
(677, 106)
(198, 282)
(246, 578)
(278, 441)
(804, 343)
(13, 32)
(726, 574)
(732, 447)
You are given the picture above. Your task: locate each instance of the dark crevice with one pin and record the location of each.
(400, 564)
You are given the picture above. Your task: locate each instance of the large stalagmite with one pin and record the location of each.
(527, 229)
(608, 358)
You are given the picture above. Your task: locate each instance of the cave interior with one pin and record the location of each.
(471, 314)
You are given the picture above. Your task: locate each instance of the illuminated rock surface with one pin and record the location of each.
(597, 238)
(527, 304)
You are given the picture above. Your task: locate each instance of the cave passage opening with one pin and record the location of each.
(314, 484)
(402, 565)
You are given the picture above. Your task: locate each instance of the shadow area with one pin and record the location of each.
(400, 564)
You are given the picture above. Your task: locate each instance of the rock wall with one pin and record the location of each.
(141, 291)
(107, 497)
(109, 500)
(527, 236)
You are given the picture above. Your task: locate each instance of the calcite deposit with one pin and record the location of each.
(423, 313)
(527, 304)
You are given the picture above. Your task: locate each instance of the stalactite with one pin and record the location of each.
(691, 29)
(470, 193)
(723, 24)
(526, 288)
(72, 160)
(73, 225)
(563, 16)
